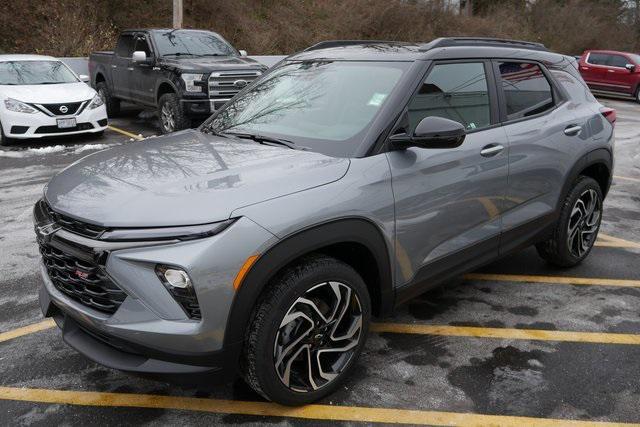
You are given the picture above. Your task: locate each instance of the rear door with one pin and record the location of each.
(121, 66)
(618, 77)
(594, 70)
(543, 133)
(449, 201)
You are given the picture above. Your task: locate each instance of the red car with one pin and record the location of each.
(609, 72)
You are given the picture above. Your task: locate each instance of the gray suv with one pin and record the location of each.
(349, 178)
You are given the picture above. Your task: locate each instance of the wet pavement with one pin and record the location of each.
(430, 377)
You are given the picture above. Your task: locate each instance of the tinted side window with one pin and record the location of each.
(617, 61)
(142, 45)
(576, 88)
(454, 91)
(527, 91)
(125, 46)
(597, 58)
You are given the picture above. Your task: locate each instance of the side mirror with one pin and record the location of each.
(630, 67)
(84, 78)
(432, 132)
(243, 52)
(140, 57)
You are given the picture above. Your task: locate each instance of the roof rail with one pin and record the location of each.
(341, 43)
(482, 41)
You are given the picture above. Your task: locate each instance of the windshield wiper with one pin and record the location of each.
(267, 140)
(181, 54)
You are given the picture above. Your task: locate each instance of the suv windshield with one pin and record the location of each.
(190, 42)
(35, 73)
(326, 106)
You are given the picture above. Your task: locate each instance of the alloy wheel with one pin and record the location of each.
(318, 337)
(167, 117)
(584, 222)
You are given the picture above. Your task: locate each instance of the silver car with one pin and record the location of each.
(349, 178)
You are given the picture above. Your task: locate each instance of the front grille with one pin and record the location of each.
(56, 129)
(73, 225)
(224, 85)
(75, 272)
(55, 109)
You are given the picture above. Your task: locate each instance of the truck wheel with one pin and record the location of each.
(172, 116)
(638, 95)
(306, 331)
(112, 104)
(577, 228)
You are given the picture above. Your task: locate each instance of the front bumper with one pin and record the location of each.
(39, 125)
(149, 333)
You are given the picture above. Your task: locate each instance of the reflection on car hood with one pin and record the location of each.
(48, 94)
(182, 179)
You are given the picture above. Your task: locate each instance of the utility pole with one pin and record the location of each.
(177, 13)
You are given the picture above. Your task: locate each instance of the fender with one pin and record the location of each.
(162, 81)
(290, 248)
(598, 156)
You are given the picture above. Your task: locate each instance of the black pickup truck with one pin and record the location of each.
(184, 74)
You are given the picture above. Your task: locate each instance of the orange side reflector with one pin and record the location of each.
(244, 270)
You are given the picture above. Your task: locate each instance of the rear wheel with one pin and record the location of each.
(112, 104)
(172, 115)
(638, 95)
(577, 228)
(307, 331)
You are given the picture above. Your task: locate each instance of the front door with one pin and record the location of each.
(144, 75)
(449, 201)
(121, 67)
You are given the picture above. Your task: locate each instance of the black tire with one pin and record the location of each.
(98, 135)
(313, 274)
(169, 104)
(557, 250)
(4, 141)
(111, 103)
(638, 95)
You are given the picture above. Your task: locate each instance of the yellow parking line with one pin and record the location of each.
(26, 330)
(124, 132)
(553, 280)
(626, 178)
(507, 333)
(615, 242)
(310, 412)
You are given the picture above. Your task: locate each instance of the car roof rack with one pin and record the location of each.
(482, 41)
(341, 43)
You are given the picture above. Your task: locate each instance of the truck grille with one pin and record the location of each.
(75, 272)
(224, 85)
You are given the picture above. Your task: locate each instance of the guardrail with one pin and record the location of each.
(81, 65)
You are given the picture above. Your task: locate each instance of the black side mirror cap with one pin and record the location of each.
(431, 132)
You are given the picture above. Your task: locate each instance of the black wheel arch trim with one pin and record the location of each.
(161, 82)
(601, 156)
(285, 251)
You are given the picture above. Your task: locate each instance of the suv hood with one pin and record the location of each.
(48, 94)
(185, 178)
(211, 63)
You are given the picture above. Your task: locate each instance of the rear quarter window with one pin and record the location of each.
(576, 88)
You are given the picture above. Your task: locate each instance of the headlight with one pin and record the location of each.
(18, 106)
(96, 102)
(190, 82)
(188, 232)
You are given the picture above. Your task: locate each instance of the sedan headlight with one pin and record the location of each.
(190, 82)
(188, 232)
(96, 102)
(18, 106)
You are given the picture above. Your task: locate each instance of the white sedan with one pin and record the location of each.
(40, 96)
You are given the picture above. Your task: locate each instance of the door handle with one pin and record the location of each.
(114, 66)
(572, 130)
(611, 71)
(491, 150)
(130, 68)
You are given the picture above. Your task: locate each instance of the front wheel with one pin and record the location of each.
(577, 228)
(307, 331)
(172, 115)
(111, 104)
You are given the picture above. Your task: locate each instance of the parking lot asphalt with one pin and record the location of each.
(515, 343)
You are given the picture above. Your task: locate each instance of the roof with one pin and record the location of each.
(19, 57)
(441, 48)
